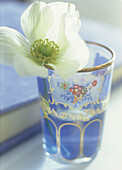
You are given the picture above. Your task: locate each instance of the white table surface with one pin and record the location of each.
(30, 155)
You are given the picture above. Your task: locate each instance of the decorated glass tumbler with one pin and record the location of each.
(73, 110)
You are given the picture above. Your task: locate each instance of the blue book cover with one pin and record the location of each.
(15, 91)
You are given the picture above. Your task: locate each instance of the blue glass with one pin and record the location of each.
(70, 136)
(74, 109)
(50, 136)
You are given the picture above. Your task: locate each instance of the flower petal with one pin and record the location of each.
(66, 69)
(36, 20)
(61, 7)
(77, 51)
(73, 22)
(12, 43)
(57, 33)
(28, 67)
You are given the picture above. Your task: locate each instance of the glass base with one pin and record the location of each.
(65, 143)
(59, 158)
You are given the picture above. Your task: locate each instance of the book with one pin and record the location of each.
(19, 125)
(19, 99)
(19, 108)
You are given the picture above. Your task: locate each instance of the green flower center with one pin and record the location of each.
(45, 51)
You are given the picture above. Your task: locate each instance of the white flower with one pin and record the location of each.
(52, 39)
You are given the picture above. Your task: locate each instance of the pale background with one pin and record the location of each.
(107, 11)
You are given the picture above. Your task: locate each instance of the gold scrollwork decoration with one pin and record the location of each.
(63, 115)
(67, 105)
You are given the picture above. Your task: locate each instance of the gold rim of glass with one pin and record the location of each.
(102, 66)
(99, 67)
